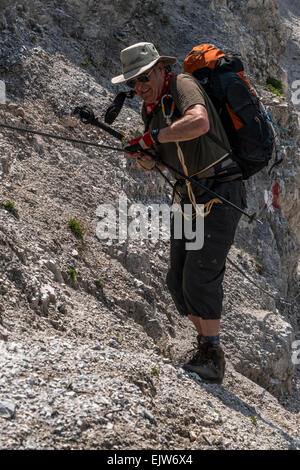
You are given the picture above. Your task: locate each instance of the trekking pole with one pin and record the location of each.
(202, 186)
(121, 137)
(55, 136)
(86, 115)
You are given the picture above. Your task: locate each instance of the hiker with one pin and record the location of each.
(195, 277)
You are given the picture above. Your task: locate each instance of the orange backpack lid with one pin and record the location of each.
(204, 55)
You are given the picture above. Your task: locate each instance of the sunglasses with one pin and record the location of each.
(143, 78)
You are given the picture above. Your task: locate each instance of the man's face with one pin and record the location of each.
(150, 91)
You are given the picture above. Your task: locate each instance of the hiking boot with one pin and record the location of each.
(208, 362)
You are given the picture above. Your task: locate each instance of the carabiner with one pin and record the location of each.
(163, 108)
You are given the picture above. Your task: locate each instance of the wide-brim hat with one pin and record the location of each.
(137, 59)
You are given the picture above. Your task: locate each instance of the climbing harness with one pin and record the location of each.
(121, 137)
(168, 120)
(87, 117)
(208, 205)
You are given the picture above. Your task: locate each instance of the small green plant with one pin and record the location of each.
(99, 283)
(155, 371)
(254, 419)
(77, 227)
(10, 207)
(275, 86)
(73, 273)
(85, 63)
(170, 317)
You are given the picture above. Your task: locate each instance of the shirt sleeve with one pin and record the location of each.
(187, 92)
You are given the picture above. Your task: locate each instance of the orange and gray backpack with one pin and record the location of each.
(244, 118)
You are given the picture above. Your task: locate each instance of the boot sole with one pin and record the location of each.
(217, 381)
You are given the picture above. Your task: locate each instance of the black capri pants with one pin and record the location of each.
(195, 277)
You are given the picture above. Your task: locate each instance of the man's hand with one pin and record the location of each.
(139, 144)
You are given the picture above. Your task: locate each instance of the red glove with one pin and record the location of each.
(139, 144)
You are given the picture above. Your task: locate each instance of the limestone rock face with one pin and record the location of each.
(264, 354)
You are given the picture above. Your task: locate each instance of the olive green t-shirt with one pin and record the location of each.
(201, 152)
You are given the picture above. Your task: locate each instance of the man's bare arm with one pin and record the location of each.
(193, 124)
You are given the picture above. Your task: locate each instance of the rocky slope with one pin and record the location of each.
(91, 344)
(290, 58)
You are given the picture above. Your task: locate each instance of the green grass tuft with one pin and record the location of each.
(10, 207)
(170, 316)
(275, 86)
(73, 273)
(99, 283)
(254, 419)
(155, 371)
